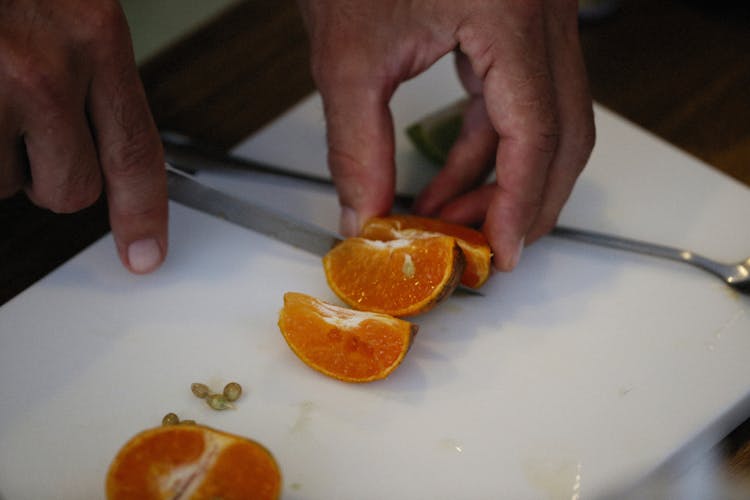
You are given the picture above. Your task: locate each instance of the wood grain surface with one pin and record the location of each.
(677, 68)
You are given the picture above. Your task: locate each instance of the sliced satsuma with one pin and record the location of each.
(353, 346)
(472, 242)
(192, 462)
(400, 277)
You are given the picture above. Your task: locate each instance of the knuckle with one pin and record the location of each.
(30, 76)
(342, 61)
(71, 202)
(345, 167)
(544, 138)
(478, 43)
(103, 26)
(102, 17)
(39, 80)
(547, 141)
(357, 185)
(545, 129)
(527, 201)
(75, 194)
(521, 16)
(332, 71)
(130, 158)
(583, 143)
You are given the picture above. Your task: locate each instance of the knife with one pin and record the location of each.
(282, 227)
(277, 225)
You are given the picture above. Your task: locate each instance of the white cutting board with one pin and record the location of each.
(581, 371)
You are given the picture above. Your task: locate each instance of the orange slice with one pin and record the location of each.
(472, 242)
(192, 462)
(400, 277)
(353, 346)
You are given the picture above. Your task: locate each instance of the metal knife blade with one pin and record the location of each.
(280, 226)
(184, 189)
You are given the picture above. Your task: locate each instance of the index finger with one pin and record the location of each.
(130, 153)
(512, 60)
(360, 150)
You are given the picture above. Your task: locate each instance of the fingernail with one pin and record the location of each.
(349, 223)
(515, 258)
(144, 255)
(509, 263)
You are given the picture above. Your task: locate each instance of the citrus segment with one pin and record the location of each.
(192, 462)
(353, 346)
(473, 243)
(400, 277)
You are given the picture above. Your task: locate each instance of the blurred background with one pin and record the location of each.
(155, 24)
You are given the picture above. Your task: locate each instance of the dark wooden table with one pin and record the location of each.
(678, 68)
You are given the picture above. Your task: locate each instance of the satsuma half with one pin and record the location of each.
(353, 346)
(192, 462)
(400, 277)
(473, 243)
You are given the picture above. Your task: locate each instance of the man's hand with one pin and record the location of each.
(530, 116)
(75, 119)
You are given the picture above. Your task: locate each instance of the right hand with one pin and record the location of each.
(75, 119)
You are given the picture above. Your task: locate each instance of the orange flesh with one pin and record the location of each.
(191, 462)
(397, 277)
(352, 346)
(473, 244)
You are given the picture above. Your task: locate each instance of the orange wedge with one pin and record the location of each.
(353, 346)
(472, 242)
(400, 277)
(192, 462)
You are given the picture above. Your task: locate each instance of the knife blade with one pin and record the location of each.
(277, 225)
(183, 189)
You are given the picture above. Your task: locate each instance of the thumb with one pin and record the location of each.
(360, 151)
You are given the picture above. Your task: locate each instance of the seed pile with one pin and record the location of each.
(218, 401)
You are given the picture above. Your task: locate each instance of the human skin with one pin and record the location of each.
(529, 117)
(75, 121)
